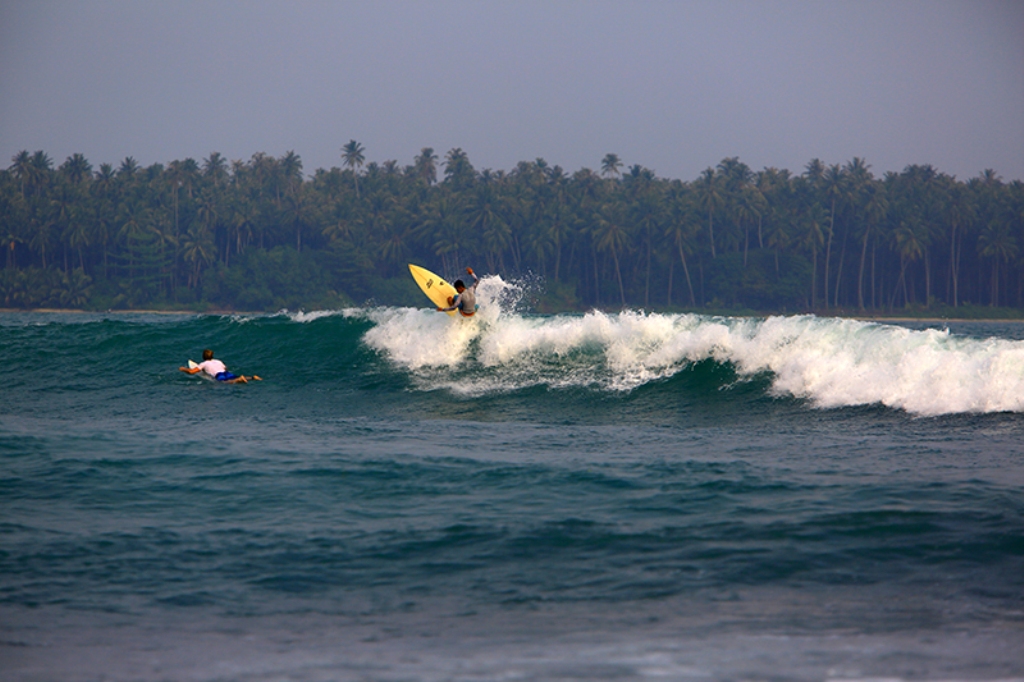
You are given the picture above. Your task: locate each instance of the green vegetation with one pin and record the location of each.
(260, 235)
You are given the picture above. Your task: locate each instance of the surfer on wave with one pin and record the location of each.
(217, 370)
(465, 302)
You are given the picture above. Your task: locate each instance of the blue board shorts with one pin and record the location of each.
(225, 376)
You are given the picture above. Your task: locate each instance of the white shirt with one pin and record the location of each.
(213, 367)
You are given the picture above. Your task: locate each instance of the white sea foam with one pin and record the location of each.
(313, 315)
(828, 362)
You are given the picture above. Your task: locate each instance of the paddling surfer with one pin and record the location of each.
(465, 302)
(217, 370)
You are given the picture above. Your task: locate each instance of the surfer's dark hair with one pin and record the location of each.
(207, 354)
(459, 283)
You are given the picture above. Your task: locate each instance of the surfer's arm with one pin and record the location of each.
(476, 280)
(454, 305)
(193, 370)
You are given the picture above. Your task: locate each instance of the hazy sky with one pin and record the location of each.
(672, 86)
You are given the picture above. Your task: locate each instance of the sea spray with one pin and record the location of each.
(828, 362)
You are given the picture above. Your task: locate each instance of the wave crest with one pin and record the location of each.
(828, 362)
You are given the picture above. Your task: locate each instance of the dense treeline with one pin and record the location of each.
(261, 235)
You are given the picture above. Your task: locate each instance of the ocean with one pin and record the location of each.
(602, 496)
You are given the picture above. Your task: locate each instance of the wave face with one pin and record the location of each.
(677, 359)
(600, 496)
(827, 362)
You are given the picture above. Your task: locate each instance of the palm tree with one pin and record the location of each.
(812, 237)
(104, 188)
(646, 214)
(39, 169)
(215, 169)
(128, 167)
(291, 170)
(63, 204)
(682, 231)
(76, 234)
(352, 154)
(458, 171)
(485, 220)
(998, 243)
(776, 187)
(426, 166)
(199, 250)
(960, 214)
(907, 242)
(12, 219)
(176, 177)
(710, 192)
(394, 247)
(162, 244)
(447, 221)
(612, 236)
(814, 171)
(244, 216)
(132, 219)
(750, 207)
(610, 165)
(558, 218)
(41, 236)
(833, 185)
(76, 168)
(874, 211)
(75, 293)
(189, 175)
(22, 168)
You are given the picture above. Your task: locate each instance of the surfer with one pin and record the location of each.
(465, 302)
(217, 370)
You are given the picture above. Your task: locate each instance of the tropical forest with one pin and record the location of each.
(263, 235)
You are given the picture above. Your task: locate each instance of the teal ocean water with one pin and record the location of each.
(408, 496)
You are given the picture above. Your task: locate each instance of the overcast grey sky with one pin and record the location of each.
(672, 86)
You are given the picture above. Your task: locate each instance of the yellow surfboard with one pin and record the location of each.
(436, 289)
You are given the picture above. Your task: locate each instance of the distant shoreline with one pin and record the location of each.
(863, 318)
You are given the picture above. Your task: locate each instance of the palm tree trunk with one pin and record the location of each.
(814, 279)
(874, 298)
(711, 231)
(746, 242)
(647, 281)
(927, 280)
(558, 257)
(995, 284)
(952, 262)
(900, 281)
(860, 272)
(828, 250)
(671, 271)
(839, 271)
(618, 275)
(686, 271)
